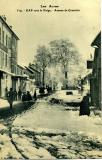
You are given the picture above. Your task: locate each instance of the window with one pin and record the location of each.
(9, 43)
(6, 60)
(2, 59)
(3, 37)
(6, 40)
(0, 34)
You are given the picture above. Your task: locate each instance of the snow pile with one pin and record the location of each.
(28, 148)
(50, 144)
(7, 150)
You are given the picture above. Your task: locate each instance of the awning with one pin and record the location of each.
(20, 76)
(12, 74)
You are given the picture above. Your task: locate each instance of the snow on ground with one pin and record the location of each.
(7, 150)
(53, 144)
(52, 132)
(2, 127)
(49, 131)
(27, 146)
(75, 97)
(4, 103)
(55, 117)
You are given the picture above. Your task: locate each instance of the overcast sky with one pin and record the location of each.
(34, 28)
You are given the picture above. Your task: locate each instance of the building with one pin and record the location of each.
(12, 74)
(19, 79)
(30, 82)
(37, 72)
(95, 79)
(8, 55)
(85, 82)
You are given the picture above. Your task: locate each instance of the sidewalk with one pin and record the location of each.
(4, 103)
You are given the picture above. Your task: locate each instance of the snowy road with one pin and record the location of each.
(49, 131)
(51, 116)
(52, 132)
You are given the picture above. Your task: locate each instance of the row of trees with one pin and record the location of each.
(61, 53)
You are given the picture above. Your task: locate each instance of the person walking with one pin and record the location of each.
(24, 97)
(10, 97)
(35, 95)
(19, 94)
(15, 95)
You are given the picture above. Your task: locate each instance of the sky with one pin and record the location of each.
(39, 28)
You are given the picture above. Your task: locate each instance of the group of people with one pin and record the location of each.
(13, 95)
(16, 95)
(26, 96)
(42, 90)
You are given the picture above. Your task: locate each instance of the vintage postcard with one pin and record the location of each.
(50, 79)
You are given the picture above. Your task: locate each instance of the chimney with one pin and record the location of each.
(4, 17)
(10, 27)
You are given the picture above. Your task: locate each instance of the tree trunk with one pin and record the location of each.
(43, 78)
(66, 76)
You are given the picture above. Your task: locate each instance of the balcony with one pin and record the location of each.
(4, 48)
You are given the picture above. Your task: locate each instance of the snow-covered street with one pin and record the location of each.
(55, 117)
(50, 131)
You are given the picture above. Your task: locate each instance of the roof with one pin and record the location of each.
(34, 69)
(29, 69)
(20, 66)
(9, 28)
(97, 41)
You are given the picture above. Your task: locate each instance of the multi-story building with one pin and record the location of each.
(12, 74)
(95, 79)
(37, 72)
(96, 73)
(20, 78)
(8, 55)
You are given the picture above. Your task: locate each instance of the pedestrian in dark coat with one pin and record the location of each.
(41, 90)
(28, 96)
(15, 95)
(84, 106)
(19, 94)
(24, 97)
(35, 95)
(10, 97)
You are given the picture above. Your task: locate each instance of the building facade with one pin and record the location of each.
(8, 55)
(12, 74)
(37, 72)
(95, 79)
(96, 73)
